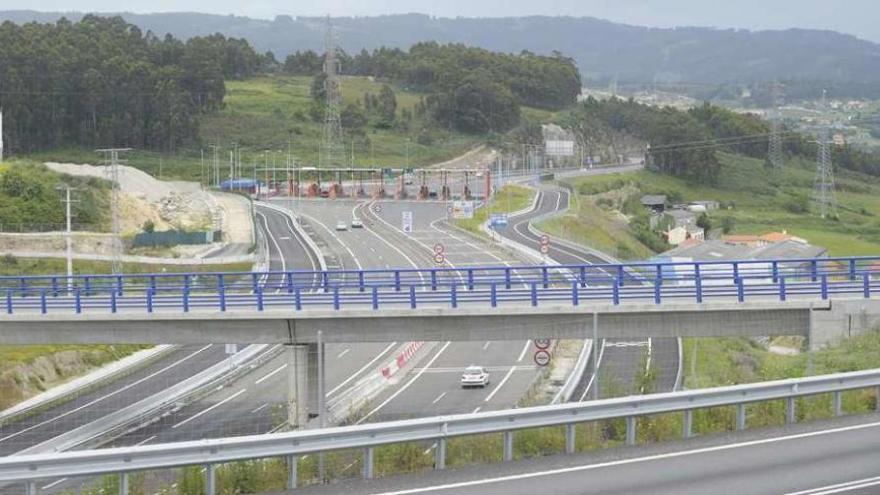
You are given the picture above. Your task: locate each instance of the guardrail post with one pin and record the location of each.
(30, 488)
(325, 281)
(774, 266)
(433, 280)
(453, 295)
(112, 301)
(77, 298)
(740, 292)
(545, 279)
(123, 483)
(824, 287)
(255, 281)
(335, 297)
(852, 269)
(814, 270)
(54, 286)
(619, 275)
(630, 430)
(735, 271)
(440, 454)
(222, 298)
(789, 410)
(210, 480)
(507, 278)
(838, 404)
(740, 417)
(259, 293)
(297, 299)
(570, 436)
(23, 287)
(288, 280)
(877, 399)
(368, 463)
(698, 283)
(575, 294)
(657, 291)
(615, 293)
(153, 282)
(119, 284)
(361, 281)
(658, 277)
(412, 297)
(507, 446)
(493, 297)
(43, 308)
(397, 280)
(375, 297)
(687, 424)
(470, 273)
(87, 282)
(782, 288)
(866, 285)
(292, 472)
(534, 294)
(583, 276)
(9, 301)
(150, 300)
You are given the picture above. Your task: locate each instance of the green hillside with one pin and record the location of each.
(755, 200)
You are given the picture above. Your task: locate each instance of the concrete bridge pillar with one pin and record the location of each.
(297, 384)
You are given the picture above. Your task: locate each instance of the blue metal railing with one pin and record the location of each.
(493, 286)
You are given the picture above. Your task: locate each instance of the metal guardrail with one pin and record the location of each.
(210, 453)
(493, 286)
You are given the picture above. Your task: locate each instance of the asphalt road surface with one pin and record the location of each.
(621, 361)
(826, 457)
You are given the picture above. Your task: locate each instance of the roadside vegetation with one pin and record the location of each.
(508, 199)
(754, 199)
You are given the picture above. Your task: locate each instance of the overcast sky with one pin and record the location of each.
(857, 17)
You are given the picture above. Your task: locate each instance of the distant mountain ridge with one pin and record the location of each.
(603, 50)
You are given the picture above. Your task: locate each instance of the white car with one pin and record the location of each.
(341, 225)
(475, 376)
(356, 223)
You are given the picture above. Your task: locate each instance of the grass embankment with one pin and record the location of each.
(508, 199)
(260, 114)
(12, 266)
(759, 200)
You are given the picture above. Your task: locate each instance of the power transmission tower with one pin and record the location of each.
(332, 149)
(111, 161)
(824, 197)
(775, 154)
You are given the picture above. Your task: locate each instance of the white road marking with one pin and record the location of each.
(840, 487)
(438, 398)
(500, 384)
(215, 406)
(146, 440)
(264, 406)
(637, 460)
(524, 351)
(54, 483)
(271, 374)
(487, 344)
(358, 372)
(598, 366)
(343, 353)
(406, 386)
(111, 394)
(477, 410)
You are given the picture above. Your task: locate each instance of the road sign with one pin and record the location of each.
(542, 358)
(377, 208)
(545, 249)
(545, 240)
(498, 220)
(438, 248)
(439, 258)
(407, 222)
(542, 343)
(462, 209)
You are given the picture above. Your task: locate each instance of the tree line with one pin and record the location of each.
(103, 82)
(469, 89)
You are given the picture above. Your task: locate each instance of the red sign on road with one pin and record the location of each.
(545, 249)
(438, 248)
(439, 258)
(542, 343)
(542, 358)
(545, 240)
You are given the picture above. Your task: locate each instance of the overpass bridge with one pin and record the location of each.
(822, 299)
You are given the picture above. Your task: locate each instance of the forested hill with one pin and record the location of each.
(602, 49)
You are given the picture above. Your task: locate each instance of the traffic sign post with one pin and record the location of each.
(407, 222)
(438, 248)
(542, 358)
(545, 247)
(439, 258)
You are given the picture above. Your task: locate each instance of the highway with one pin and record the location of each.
(432, 386)
(818, 458)
(620, 360)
